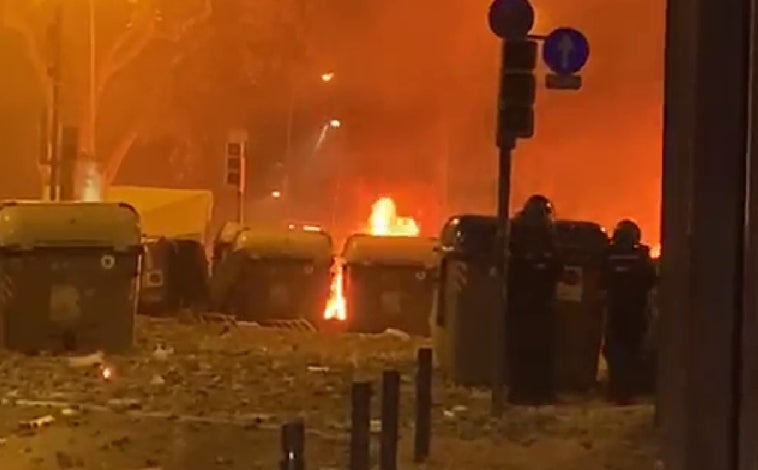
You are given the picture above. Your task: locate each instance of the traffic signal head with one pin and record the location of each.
(234, 163)
(518, 89)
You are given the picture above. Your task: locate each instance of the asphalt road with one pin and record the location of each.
(206, 396)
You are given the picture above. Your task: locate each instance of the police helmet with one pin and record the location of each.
(627, 233)
(537, 208)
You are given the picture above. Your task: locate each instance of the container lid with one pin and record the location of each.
(470, 233)
(285, 244)
(371, 249)
(28, 225)
(581, 235)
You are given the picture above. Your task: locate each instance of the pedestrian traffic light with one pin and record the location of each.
(517, 91)
(234, 164)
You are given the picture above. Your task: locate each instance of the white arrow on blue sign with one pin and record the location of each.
(565, 51)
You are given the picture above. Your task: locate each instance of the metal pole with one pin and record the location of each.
(293, 446)
(240, 207)
(360, 431)
(423, 429)
(499, 316)
(390, 419)
(67, 165)
(290, 125)
(242, 184)
(55, 76)
(91, 144)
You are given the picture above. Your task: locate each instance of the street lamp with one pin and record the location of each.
(326, 77)
(335, 123)
(92, 77)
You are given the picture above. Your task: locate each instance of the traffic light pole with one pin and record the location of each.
(499, 320)
(240, 207)
(515, 120)
(241, 186)
(55, 127)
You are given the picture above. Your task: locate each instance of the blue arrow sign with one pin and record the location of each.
(511, 19)
(565, 51)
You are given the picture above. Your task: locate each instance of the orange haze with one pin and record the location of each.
(432, 73)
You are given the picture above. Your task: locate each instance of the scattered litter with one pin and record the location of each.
(162, 353)
(69, 412)
(323, 369)
(257, 417)
(90, 360)
(157, 380)
(37, 423)
(399, 334)
(124, 404)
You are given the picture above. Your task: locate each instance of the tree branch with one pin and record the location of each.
(35, 56)
(115, 63)
(186, 27)
(122, 149)
(119, 153)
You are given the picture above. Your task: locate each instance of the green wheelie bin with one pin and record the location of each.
(69, 276)
(275, 275)
(388, 283)
(579, 304)
(469, 288)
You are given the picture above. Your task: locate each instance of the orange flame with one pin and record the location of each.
(383, 221)
(336, 306)
(106, 373)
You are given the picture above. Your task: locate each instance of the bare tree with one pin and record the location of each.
(146, 26)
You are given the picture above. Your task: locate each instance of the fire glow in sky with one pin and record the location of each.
(384, 221)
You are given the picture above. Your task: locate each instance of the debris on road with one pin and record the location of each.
(88, 361)
(207, 400)
(37, 423)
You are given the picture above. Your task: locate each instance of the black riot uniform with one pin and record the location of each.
(533, 273)
(628, 278)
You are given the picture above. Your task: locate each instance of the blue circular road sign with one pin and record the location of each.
(565, 51)
(511, 19)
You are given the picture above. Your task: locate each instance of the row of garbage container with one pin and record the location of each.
(71, 278)
(445, 287)
(387, 281)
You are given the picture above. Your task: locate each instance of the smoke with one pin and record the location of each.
(422, 83)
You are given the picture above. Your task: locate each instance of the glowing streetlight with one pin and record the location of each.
(326, 77)
(276, 194)
(335, 123)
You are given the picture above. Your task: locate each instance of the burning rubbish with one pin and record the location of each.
(336, 306)
(384, 221)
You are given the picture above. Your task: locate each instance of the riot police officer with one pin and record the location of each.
(533, 274)
(628, 277)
